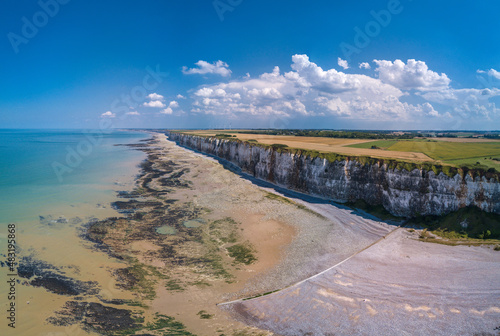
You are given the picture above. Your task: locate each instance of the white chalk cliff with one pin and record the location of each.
(401, 192)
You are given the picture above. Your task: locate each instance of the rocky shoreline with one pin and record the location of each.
(195, 232)
(190, 258)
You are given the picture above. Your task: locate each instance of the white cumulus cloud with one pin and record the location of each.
(402, 92)
(412, 75)
(173, 105)
(494, 73)
(309, 74)
(168, 110)
(108, 114)
(155, 96)
(154, 103)
(491, 72)
(343, 63)
(133, 113)
(203, 67)
(307, 90)
(466, 102)
(364, 65)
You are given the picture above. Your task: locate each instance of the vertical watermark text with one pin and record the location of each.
(11, 275)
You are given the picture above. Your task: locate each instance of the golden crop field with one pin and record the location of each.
(328, 145)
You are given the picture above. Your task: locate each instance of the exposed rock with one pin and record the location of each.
(134, 204)
(42, 274)
(401, 192)
(95, 317)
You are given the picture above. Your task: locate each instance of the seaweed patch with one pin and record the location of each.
(41, 274)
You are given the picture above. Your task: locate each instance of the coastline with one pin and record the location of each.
(193, 234)
(185, 271)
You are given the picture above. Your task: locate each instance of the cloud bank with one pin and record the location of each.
(396, 93)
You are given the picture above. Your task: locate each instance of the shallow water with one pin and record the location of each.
(194, 223)
(51, 182)
(166, 230)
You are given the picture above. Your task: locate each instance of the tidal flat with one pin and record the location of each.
(194, 234)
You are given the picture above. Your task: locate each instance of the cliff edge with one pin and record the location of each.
(403, 192)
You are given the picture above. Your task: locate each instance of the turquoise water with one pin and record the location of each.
(54, 174)
(44, 170)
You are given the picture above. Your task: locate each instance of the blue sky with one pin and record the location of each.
(242, 63)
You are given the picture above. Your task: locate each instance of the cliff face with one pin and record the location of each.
(401, 192)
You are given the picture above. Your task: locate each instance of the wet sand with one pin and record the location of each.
(59, 246)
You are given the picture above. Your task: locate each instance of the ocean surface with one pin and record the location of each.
(43, 170)
(51, 182)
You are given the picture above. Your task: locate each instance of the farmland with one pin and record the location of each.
(324, 145)
(380, 144)
(472, 154)
(458, 152)
(441, 150)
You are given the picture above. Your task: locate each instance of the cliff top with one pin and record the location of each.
(451, 156)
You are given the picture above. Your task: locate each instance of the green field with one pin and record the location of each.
(440, 150)
(483, 162)
(474, 155)
(481, 225)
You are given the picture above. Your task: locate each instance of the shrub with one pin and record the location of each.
(424, 234)
(204, 315)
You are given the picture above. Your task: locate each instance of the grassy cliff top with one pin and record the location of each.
(471, 157)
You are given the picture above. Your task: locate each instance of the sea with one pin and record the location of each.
(51, 183)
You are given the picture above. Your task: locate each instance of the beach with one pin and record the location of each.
(399, 286)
